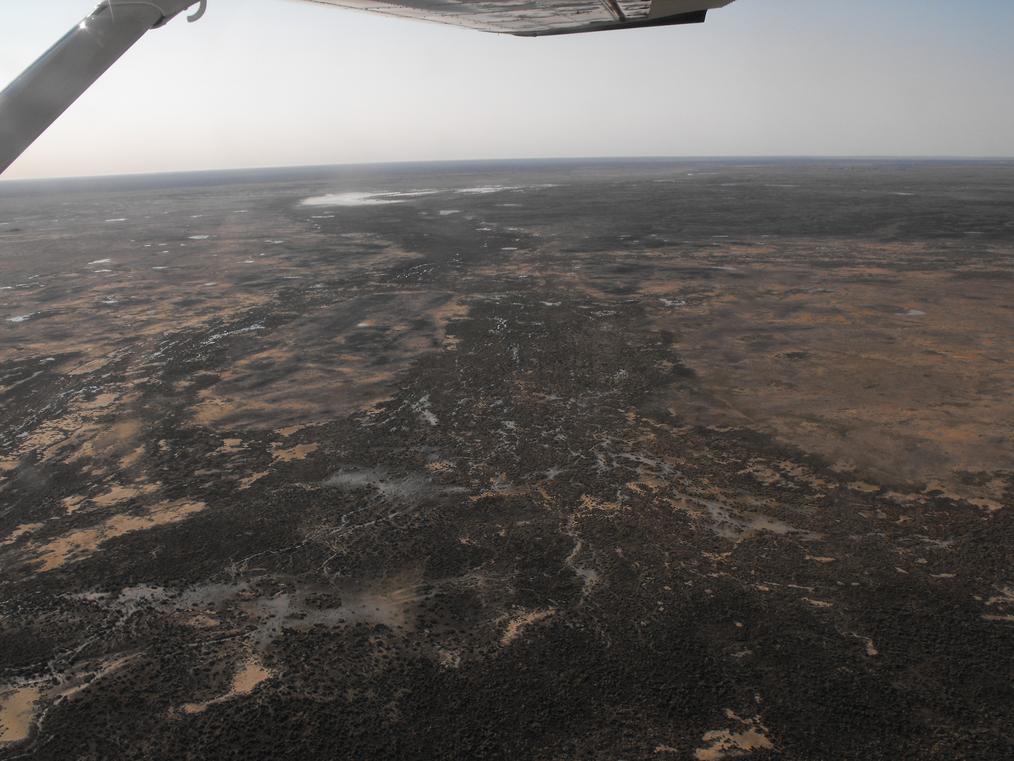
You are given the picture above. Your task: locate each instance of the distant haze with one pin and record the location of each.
(275, 82)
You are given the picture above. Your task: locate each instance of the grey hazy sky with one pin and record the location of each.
(282, 82)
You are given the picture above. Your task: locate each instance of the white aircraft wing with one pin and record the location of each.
(532, 18)
(34, 100)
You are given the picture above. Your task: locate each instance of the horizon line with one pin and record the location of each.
(419, 162)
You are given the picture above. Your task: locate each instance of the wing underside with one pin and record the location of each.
(542, 17)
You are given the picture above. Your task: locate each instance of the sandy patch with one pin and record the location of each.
(727, 743)
(292, 454)
(518, 624)
(822, 362)
(84, 542)
(244, 681)
(818, 603)
(71, 504)
(246, 483)
(17, 711)
(594, 503)
(132, 458)
(20, 531)
(119, 493)
(230, 446)
(864, 487)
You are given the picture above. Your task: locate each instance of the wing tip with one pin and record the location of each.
(693, 17)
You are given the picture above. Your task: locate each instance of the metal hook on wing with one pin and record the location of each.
(34, 100)
(196, 15)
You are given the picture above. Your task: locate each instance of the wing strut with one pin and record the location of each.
(49, 86)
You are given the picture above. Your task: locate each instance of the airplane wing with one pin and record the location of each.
(534, 18)
(34, 100)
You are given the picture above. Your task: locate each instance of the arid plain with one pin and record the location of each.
(667, 460)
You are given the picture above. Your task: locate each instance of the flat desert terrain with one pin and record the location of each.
(674, 460)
